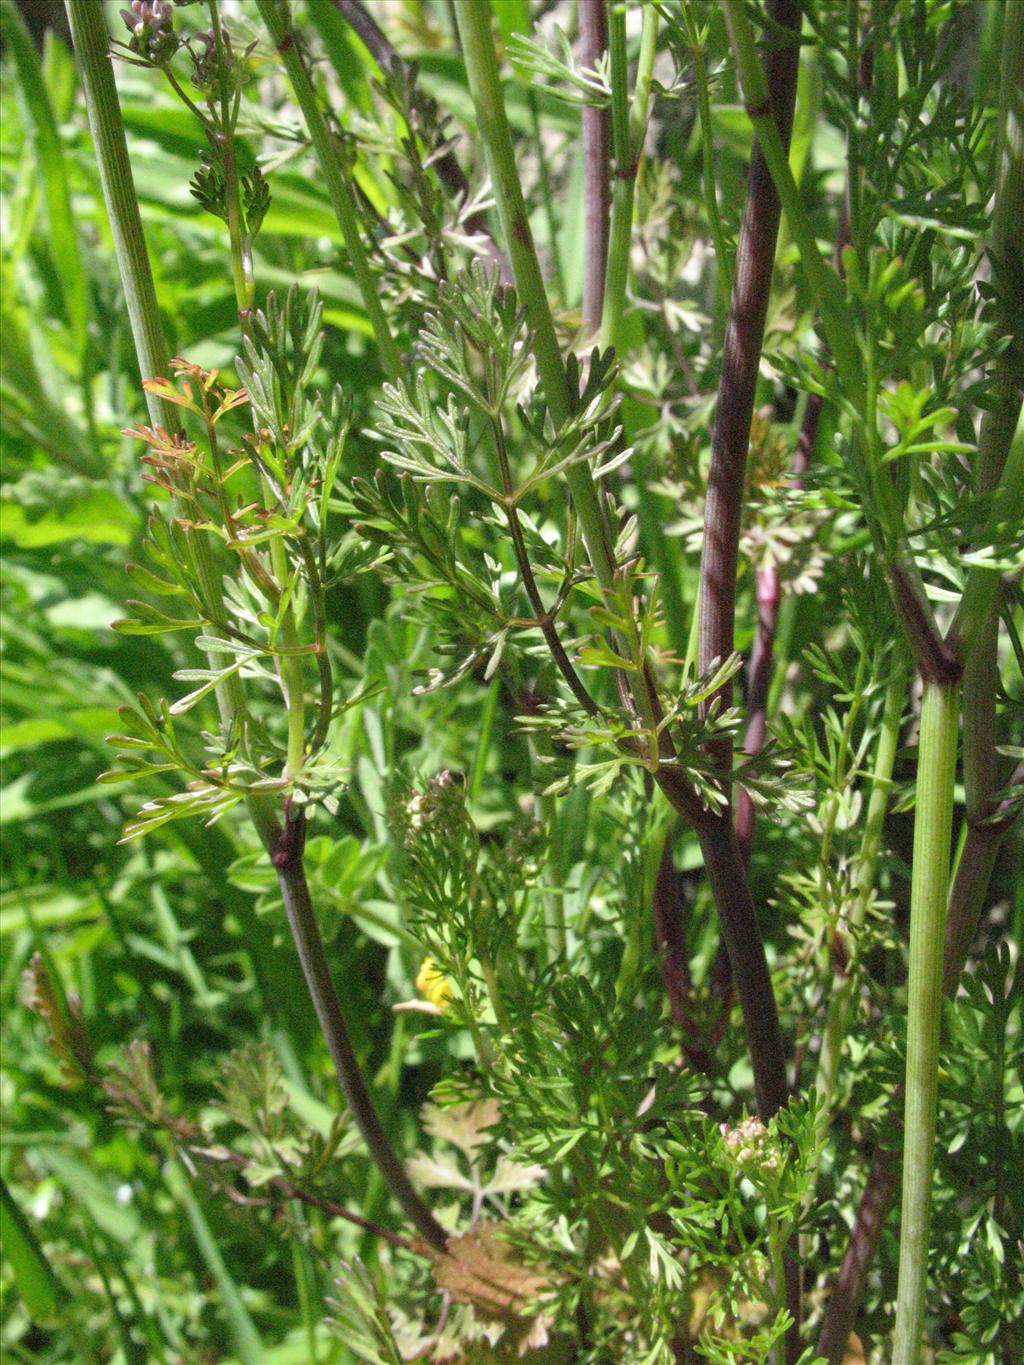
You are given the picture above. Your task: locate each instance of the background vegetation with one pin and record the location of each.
(523, 967)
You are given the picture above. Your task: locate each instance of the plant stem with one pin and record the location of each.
(742, 935)
(966, 896)
(91, 43)
(760, 106)
(976, 606)
(289, 1190)
(276, 17)
(629, 124)
(596, 169)
(767, 595)
(723, 856)
(241, 255)
(700, 74)
(755, 258)
(936, 772)
(474, 21)
(875, 1202)
(936, 659)
(287, 859)
(970, 883)
(545, 619)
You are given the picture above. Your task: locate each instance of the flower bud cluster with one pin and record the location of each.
(151, 24)
(438, 811)
(751, 1145)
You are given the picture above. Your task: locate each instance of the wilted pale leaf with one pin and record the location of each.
(434, 1174)
(512, 1175)
(463, 1125)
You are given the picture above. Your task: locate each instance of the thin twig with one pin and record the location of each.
(292, 1191)
(545, 618)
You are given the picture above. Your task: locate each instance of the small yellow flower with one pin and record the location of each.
(432, 983)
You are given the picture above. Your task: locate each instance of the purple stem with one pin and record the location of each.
(967, 894)
(755, 258)
(766, 580)
(744, 337)
(287, 858)
(768, 598)
(723, 857)
(875, 1203)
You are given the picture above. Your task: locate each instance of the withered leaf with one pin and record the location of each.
(481, 1269)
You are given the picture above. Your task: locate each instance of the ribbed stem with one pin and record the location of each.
(276, 16)
(629, 123)
(933, 825)
(474, 21)
(748, 308)
(91, 43)
(596, 170)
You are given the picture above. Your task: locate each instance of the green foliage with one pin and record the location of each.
(372, 601)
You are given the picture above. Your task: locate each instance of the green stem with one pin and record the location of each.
(241, 255)
(700, 74)
(474, 21)
(936, 773)
(275, 16)
(91, 43)
(629, 124)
